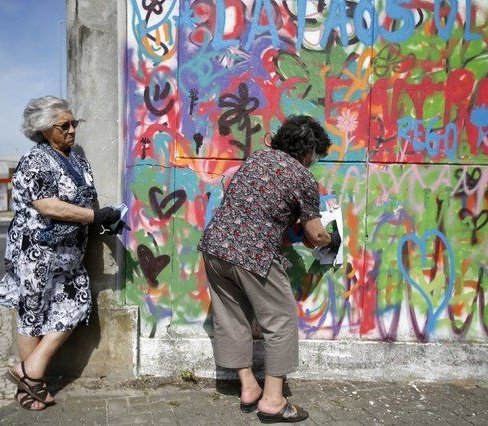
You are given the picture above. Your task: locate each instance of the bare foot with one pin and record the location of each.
(251, 394)
(269, 406)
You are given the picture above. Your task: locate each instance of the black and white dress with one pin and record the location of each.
(45, 278)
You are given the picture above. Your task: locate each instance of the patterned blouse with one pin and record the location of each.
(269, 193)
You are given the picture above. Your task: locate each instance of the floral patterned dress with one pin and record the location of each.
(45, 279)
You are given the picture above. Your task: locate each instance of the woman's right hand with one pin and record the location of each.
(106, 216)
(316, 233)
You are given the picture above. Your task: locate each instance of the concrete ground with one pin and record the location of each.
(207, 402)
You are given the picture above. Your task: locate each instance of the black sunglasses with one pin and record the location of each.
(67, 125)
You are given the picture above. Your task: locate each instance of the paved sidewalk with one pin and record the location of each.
(206, 402)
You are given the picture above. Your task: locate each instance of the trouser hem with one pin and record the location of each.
(281, 372)
(232, 366)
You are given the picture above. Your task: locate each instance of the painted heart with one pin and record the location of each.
(469, 180)
(178, 196)
(421, 242)
(151, 265)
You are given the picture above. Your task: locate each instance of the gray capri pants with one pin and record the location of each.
(237, 293)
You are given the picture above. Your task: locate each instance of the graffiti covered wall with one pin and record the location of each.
(401, 87)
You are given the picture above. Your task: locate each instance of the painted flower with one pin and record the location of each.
(239, 112)
(347, 121)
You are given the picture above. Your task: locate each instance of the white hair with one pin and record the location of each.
(40, 114)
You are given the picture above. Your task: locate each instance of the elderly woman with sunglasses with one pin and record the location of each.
(45, 281)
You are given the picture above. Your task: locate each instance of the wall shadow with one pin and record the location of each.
(71, 360)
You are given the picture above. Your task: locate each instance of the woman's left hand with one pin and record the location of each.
(106, 216)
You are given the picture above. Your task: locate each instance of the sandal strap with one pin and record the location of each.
(40, 390)
(25, 376)
(25, 398)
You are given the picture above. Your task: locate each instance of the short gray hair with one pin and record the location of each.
(40, 114)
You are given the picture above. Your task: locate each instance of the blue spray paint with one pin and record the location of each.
(432, 315)
(445, 31)
(395, 11)
(257, 29)
(337, 19)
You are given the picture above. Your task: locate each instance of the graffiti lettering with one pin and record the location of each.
(361, 18)
(336, 19)
(398, 14)
(468, 35)
(223, 38)
(413, 133)
(445, 31)
(257, 28)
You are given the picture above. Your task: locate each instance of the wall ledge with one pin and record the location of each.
(325, 359)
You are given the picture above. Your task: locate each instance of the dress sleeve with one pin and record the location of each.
(309, 199)
(85, 165)
(36, 179)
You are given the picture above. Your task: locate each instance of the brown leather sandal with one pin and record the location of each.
(27, 401)
(38, 391)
